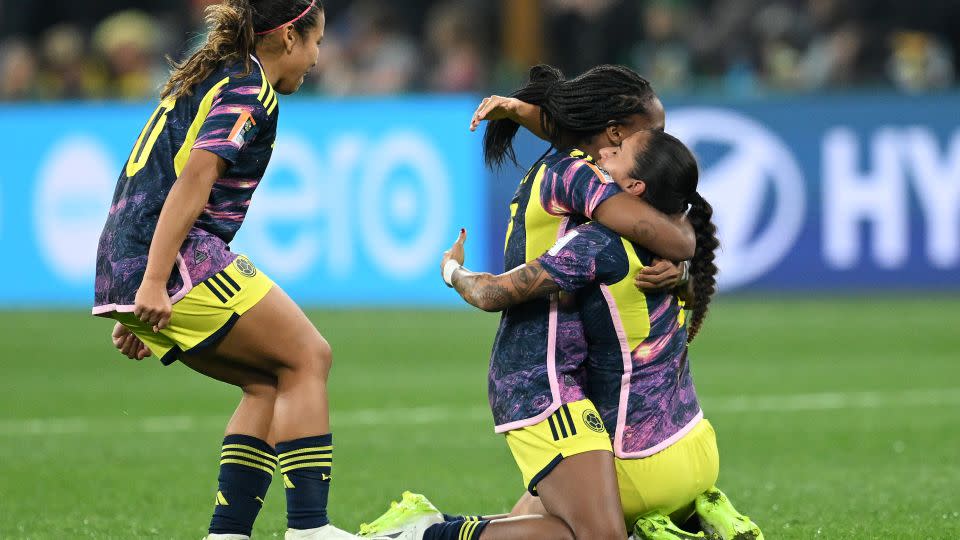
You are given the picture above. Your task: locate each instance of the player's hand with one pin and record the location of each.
(662, 274)
(455, 253)
(495, 108)
(152, 305)
(128, 343)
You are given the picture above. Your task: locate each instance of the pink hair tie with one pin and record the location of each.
(295, 19)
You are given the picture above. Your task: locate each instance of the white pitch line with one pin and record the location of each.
(437, 415)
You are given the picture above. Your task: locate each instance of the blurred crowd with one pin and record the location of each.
(115, 49)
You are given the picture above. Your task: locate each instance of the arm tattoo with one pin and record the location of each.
(644, 230)
(496, 293)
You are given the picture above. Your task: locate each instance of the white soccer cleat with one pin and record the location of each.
(327, 532)
(226, 537)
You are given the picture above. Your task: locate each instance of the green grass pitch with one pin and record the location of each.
(837, 419)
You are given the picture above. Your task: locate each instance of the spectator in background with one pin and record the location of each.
(919, 62)
(127, 40)
(457, 47)
(777, 31)
(584, 33)
(664, 56)
(368, 53)
(67, 72)
(18, 71)
(838, 55)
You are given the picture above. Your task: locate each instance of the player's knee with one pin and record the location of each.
(263, 389)
(318, 357)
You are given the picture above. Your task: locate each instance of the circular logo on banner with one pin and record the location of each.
(592, 420)
(755, 186)
(244, 266)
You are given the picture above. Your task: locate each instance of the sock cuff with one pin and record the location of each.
(251, 441)
(249, 452)
(316, 441)
(471, 529)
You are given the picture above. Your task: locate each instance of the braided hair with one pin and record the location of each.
(670, 173)
(571, 111)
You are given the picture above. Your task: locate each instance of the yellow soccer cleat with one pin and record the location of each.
(718, 516)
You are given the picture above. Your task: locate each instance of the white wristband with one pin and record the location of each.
(448, 270)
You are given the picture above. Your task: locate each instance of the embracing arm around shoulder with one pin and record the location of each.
(670, 237)
(183, 205)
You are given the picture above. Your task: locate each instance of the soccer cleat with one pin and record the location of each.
(660, 527)
(327, 532)
(719, 517)
(406, 520)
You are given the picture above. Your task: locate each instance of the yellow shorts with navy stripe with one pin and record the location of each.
(206, 313)
(575, 428)
(670, 480)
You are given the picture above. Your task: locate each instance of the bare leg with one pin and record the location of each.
(528, 505)
(527, 527)
(582, 491)
(276, 338)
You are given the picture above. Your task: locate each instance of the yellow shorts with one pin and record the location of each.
(573, 429)
(670, 480)
(206, 313)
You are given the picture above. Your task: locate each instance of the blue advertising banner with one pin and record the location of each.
(360, 199)
(817, 193)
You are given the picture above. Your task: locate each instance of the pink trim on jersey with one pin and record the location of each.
(187, 281)
(551, 360)
(128, 308)
(109, 308)
(627, 356)
(666, 443)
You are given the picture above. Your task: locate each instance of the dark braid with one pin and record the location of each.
(671, 175)
(574, 110)
(703, 271)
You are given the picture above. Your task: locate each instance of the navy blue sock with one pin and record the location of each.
(306, 464)
(456, 530)
(246, 468)
(449, 517)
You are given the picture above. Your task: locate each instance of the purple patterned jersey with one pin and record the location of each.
(231, 114)
(539, 348)
(637, 372)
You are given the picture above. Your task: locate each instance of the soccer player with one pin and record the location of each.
(637, 373)
(532, 380)
(165, 272)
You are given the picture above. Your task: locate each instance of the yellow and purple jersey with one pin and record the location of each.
(539, 348)
(637, 372)
(231, 114)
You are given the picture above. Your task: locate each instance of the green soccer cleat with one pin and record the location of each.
(718, 516)
(660, 527)
(406, 520)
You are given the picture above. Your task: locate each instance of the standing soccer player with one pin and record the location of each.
(165, 272)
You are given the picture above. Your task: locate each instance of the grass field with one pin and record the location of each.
(837, 419)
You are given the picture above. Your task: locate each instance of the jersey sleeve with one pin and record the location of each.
(590, 253)
(237, 116)
(576, 187)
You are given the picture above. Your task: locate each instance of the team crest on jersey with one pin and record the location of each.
(592, 420)
(245, 267)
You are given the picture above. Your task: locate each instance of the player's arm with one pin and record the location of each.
(507, 108)
(671, 237)
(183, 205)
(494, 292)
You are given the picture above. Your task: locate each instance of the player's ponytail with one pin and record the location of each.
(703, 271)
(234, 27)
(572, 111)
(230, 38)
(498, 138)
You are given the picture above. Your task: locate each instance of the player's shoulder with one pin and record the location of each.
(245, 83)
(576, 163)
(598, 233)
